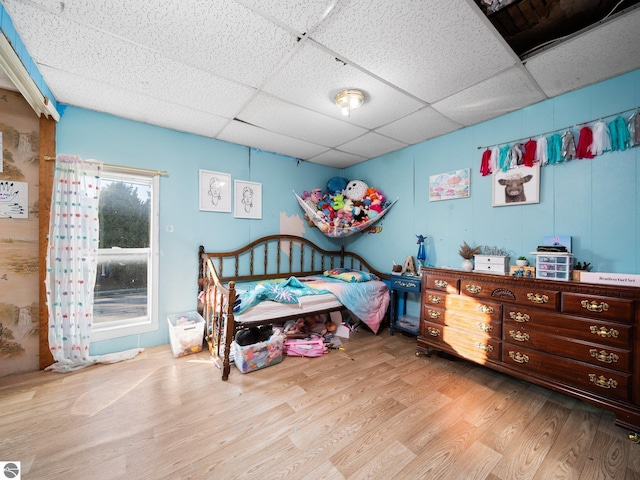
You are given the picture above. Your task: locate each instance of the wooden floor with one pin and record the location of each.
(372, 411)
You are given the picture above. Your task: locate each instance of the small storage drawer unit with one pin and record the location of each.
(553, 266)
(577, 338)
(491, 264)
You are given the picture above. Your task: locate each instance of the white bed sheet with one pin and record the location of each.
(268, 310)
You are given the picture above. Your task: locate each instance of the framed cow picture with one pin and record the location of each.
(516, 186)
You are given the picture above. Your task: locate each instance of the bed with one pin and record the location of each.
(281, 277)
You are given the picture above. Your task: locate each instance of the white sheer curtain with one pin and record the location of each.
(71, 263)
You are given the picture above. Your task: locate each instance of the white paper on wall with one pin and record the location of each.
(14, 199)
(1, 156)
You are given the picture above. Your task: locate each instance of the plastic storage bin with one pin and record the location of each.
(554, 266)
(186, 333)
(257, 355)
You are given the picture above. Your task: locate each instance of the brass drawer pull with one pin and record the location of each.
(434, 332)
(473, 288)
(537, 298)
(518, 357)
(603, 332)
(484, 327)
(594, 306)
(519, 336)
(434, 299)
(519, 317)
(602, 382)
(603, 356)
(441, 283)
(485, 309)
(433, 313)
(484, 348)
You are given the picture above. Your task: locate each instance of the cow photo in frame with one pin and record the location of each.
(516, 186)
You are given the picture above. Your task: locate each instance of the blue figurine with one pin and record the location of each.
(421, 253)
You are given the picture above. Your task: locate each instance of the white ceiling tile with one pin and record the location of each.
(276, 115)
(337, 159)
(130, 66)
(256, 137)
(496, 96)
(218, 37)
(604, 52)
(300, 15)
(131, 105)
(372, 145)
(313, 77)
(419, 126)
(446, 46)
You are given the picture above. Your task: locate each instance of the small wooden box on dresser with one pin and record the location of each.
(580, 339)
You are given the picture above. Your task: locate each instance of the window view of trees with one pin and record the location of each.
(124, 250)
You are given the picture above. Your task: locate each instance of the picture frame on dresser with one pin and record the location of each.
(516, 186)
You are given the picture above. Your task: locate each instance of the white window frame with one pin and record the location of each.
(148, 323)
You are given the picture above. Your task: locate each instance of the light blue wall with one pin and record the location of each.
(116, 141)
(594, 201)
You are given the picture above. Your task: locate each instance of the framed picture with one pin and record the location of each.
(450, 185)
(248, 199)
(516, 186)
(215, 191)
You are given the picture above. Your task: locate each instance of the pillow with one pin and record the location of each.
(351, 276)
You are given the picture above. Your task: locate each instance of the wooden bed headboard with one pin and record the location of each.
(278, 255)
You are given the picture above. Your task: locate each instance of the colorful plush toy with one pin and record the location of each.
(356, 190)
(336, 184)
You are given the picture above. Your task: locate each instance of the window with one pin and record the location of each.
(125, 298)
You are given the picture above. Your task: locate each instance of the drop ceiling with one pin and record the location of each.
(264, 73)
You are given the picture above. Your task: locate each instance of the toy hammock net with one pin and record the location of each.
(334, 227)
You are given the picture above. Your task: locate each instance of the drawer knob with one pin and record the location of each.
(484, 348)
(518, 357)
(433, 313)
(519, 336)
(602, 381)
(485, 309)
(441, 283)
(537, 298)
(434, 299)
(594, 306)
(604, 332)
(519, 317)
(473, 288)
(484, 327)
(434, 332)
(603, 356)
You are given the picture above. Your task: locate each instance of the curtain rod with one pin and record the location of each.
(128, 169)
(559, 129)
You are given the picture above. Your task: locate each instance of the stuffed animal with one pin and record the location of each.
(355, 190)
(337, 184)
(338, 202)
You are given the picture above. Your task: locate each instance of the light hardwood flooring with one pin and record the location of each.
(372, 411)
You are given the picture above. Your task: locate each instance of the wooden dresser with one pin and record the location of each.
(577, 338)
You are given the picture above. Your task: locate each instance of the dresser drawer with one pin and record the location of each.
(476, 324)
(545, 341)
(603, 381)
(607, 334)
(406, 284)
(437, 299)
(512, 293)
(476, 347)
(593, 306)
(442, 283)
